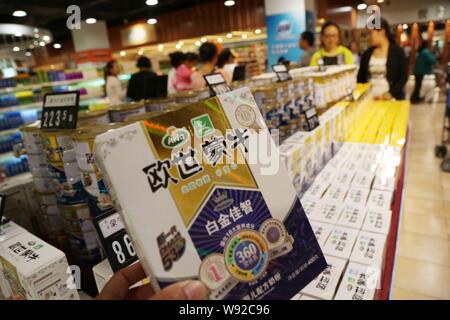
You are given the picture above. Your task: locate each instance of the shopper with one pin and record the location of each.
(354, 48)
(183, 74)
(118, 286)
(226, 62)
(113, 87)
(424, 63)
(384, 65)
(307, 44)
(139, 84)
(332, 52)
(208, 57)
(176, 59)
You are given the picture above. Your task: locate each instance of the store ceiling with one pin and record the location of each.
(51, 14)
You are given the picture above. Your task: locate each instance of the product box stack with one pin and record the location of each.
(349, 205)
(50, 219)
(31, 269)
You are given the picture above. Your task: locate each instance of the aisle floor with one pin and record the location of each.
(422, 268)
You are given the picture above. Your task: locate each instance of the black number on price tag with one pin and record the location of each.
(282, 72)
(115, 240)
(60, 110)
(217, 84)
(312, 120)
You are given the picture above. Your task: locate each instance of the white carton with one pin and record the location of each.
(305, 297)
(326, 175)
(377, 221)
(310, 205)
(7, 231)
(329, 212)
(325, 285)
(363, 179)
(336, 193)
(386, 171)
(357, 196)
(102, 274)
(322, 231)
(35, 270)
(384, 183)
(344, 178)
(317, 190)
(380, 200)
(369, 249)
(358, 283)
(351, 165)
(368, 166)
(352, 216)
(291, 156)
(340, 242)
(296, 297)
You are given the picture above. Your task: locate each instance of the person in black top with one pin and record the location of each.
(140, 82)
(384, 65)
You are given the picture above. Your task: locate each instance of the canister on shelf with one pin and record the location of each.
(264, 96)
(93, 118)
(186, 97)
(159, 104)
(67, 182)
(55, 142)
(32, 138)
(120, 112)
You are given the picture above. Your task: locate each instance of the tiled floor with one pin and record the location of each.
(423, 252)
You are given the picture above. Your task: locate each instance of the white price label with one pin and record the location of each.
(111, 225)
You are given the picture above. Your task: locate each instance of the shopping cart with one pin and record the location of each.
(441, 150)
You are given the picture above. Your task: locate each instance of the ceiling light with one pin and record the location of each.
(219, 40)
(42, 44)
(18, 34)
(203, 39)
(362, 6)
(19, 13)
(46, 38)
(198, 43)
(405, 26)
(57, 46)
(123, 53)
(152, 21)
(36, 30)
(31, 46)
(151, 2)
(178, 46)
(140, 52)
(28, 54)
(244, 36)
(160, 47)
(258, 31)
(91, 20)
(36, 35)
(229, 35)
(181, 43)
(16, 49)
(380, 1)
(229, 3)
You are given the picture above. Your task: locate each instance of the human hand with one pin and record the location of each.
(118, 288)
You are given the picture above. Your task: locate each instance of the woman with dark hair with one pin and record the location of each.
(384, 65)
(139, 84)
(226, 61)
(113, 87)
(332, 52)
(424, 64)
(208, 57)
(176, 60)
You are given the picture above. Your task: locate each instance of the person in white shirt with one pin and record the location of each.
(115, 92)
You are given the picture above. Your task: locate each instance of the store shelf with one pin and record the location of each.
(8, 131)
(15, 181)
(46, 84)
(6, 155)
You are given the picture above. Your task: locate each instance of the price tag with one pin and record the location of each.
(115, 240)
(282, 72)
(60, 111)
(217, 84)
(312, 120)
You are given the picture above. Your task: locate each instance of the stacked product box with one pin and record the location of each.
(213, 210)
(34, 270)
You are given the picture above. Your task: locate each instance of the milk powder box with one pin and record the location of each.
(340, 242)
(368, 166)
(344, 178)
(310, 205)
(7, 231)
(317, 190)
(35, 270)
(351, 165)
(363, 179)
(384, 183)
(318, 147)
(306, 140)
(335, 164)
(198, 203)
(291, 155)
(306, 297)
(386, 171)
(326, 175)
(358, 283)
(380, 200)
(352, 216)
(329, 212)
(296, 297)
(373, 156)
(357, 196)
(369, 249)
(102, 274)
(321, 231)
(325, 285)
(377, 221)
(335, 193)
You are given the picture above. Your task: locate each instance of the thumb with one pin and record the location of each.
(186, 290)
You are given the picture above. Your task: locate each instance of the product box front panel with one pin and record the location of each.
(369, 249)
(358, 283)
(340, 242)
(377, 221)
(197, 205)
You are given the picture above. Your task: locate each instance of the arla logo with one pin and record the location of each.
(284, 28)
(175, 137)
